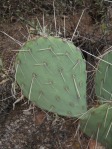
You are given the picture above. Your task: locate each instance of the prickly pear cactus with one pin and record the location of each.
(52, 73)
(98, 124)
(103, 78)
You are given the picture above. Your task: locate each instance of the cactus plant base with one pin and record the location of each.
(52, 74)
(98, 124)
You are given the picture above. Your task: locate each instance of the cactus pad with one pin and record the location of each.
(52, 73)
(98, 124)
(103, 78)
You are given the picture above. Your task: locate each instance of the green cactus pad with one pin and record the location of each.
(52, 73)
(103, 78)
(98, 124)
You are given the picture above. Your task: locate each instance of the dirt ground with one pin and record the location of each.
(26, 126)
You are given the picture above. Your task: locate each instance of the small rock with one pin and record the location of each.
(40, 118)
